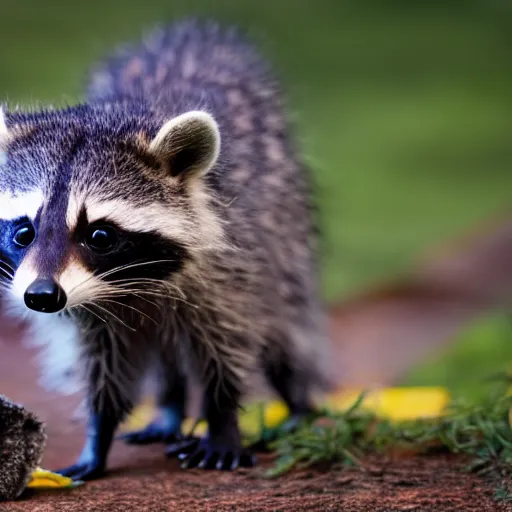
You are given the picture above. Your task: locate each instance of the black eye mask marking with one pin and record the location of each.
(145, 255)
(11, 253)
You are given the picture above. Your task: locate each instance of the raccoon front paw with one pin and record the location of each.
(153, 433)
(83, 471)
(209, 453)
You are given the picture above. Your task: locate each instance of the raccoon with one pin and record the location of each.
(165, 226)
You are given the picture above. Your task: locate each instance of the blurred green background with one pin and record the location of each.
(403, 109)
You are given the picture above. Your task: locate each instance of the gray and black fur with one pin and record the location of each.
(22, 441)
(213, 271)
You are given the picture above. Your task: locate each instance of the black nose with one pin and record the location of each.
(45, 296)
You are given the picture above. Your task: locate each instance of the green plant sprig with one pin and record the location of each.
(480, 430)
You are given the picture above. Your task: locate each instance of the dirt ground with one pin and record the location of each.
(151, 484)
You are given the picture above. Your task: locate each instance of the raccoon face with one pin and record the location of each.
(97, 208)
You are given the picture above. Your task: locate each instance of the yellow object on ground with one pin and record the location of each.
(140, 417)
(396, 403)
(393, 403)
(42, 479)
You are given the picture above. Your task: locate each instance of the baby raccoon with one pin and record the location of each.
(165, 226)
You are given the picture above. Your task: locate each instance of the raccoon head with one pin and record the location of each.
(99, 203)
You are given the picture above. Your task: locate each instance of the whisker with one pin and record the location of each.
(113, 315)
(159, 306)
(132, 265)
(143, 280)
(5, 264)
(6, 271)
(91, 311)
(162, 284)
(130, 307)
(136, 292)
(118, 269)
(126, 292)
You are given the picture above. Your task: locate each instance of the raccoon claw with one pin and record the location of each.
(208, 454)
(82, 471)
(153, 433)
(182, 447)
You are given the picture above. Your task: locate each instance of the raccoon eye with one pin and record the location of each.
(24, 236)
(101, 238)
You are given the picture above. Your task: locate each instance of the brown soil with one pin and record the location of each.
(151, 484)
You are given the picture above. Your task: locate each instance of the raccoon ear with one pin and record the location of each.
(189, 143)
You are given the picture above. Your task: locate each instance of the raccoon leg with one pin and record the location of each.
(166, 427)
(222, 447)
(291, 384)
(92, 461)
(114, 374)
(293, 387)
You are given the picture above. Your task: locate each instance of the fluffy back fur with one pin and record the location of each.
(259, 188)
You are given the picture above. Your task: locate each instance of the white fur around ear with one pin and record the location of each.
(189, 143)
(4, 131)
(4, 137)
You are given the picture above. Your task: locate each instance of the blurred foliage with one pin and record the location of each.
(402, 107)
(480, 352)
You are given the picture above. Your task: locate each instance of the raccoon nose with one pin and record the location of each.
(45, 296)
